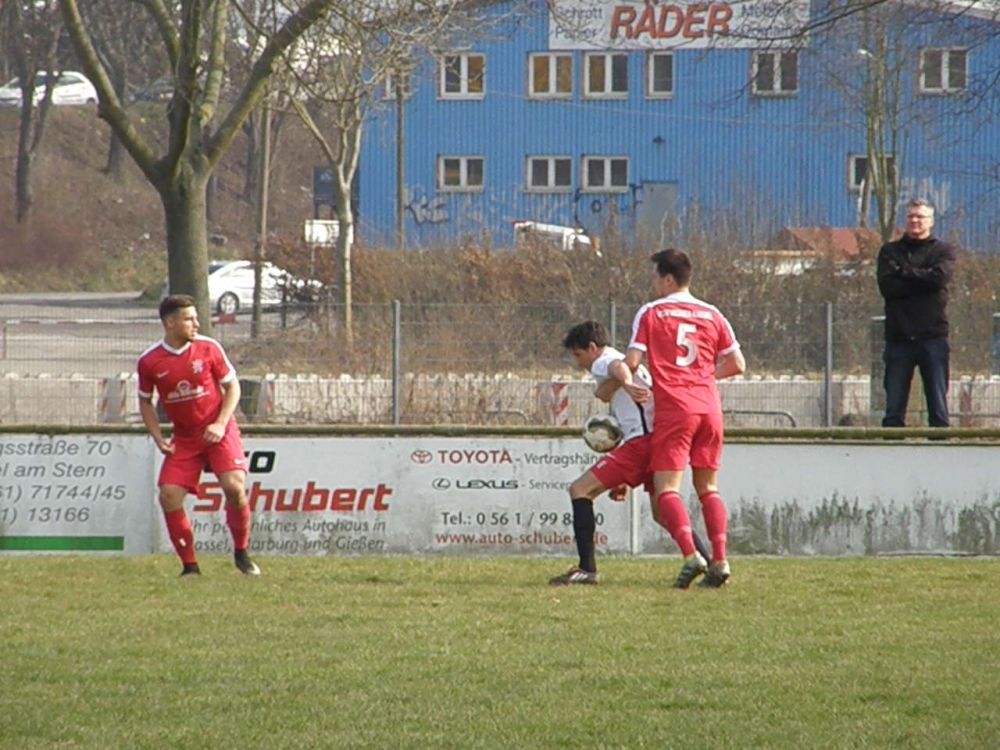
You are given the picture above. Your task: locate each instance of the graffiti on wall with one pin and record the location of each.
(425, 209)
(607, 211)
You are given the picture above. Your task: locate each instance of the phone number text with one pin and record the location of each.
(515, 518)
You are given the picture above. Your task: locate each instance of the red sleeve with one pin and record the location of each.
(221, 366)
(642, 332)
(145, 378)
(726, 340)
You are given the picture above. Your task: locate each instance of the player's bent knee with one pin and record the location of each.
(172, 498)
(233, 488)
(585, 488)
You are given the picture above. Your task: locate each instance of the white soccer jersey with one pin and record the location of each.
(635, 419)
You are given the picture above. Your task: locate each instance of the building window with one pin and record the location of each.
(550, 75)
(400, 81)
(606, 75)
(775, 73)
(857, 170)
(549, 174)
(460, 174)
(659, 75)
(463, 76)
(605, 174)
(943, 71)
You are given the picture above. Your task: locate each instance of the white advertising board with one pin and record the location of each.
(644, 25)
(76, 493)
(462, 496)
(494, 496)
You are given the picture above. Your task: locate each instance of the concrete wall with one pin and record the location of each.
(476, 399)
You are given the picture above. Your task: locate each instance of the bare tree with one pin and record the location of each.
(866, 52)
(864, 59)
(359, 61)
(31, 35)
(202, 121)
(124, 37)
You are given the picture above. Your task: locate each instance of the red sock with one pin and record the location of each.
(238, 521)
(716, 523)
(675, 519)
(181, 536)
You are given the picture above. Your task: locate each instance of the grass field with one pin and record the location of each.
(458, 653)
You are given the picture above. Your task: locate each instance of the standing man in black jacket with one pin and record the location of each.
(913, 277)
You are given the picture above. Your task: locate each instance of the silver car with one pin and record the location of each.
(230, 285)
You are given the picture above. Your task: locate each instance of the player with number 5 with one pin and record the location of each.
(688, 345)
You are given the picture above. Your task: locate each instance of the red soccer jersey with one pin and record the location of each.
(682, 338)
(187, 381)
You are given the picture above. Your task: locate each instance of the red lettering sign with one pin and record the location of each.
(666, 21)
(311, 499)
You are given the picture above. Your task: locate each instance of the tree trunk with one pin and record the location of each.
(116, 152)
(185, 209)
(116, 158)
(251, 168)
(25, 189)
(345, 244)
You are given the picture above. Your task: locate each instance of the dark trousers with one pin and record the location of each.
(900, 358)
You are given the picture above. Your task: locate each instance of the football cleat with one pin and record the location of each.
(576, 576)
(694, 566)
(244, 564)
(191, 569)
(716, 576)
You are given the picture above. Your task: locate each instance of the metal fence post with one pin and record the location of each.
(828, 370)
(996, 344)
(613, 323)
(876, 388)
(396, 356)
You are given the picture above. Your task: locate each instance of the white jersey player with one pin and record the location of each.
(635, 419)
(625, 466)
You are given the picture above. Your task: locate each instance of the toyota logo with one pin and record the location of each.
(441, 483)
(421, 457)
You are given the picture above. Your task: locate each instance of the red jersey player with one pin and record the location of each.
(688, 345)
(199, 391)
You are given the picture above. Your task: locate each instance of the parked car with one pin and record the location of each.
(231, 282)
(160, 90)
(71, 88)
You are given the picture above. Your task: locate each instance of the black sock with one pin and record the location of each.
(584, 528)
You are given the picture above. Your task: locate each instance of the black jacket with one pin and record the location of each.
(913, 277)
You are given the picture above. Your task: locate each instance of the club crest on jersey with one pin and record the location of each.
(197, 366)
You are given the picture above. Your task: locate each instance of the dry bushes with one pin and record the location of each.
(476, 310)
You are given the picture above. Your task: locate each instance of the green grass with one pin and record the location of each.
(459, 653)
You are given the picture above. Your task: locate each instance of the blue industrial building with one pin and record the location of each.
(666, 121)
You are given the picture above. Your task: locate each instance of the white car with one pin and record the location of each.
(230, 286)
(71, 88)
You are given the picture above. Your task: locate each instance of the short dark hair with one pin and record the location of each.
(674, 262)
(920, 203)
(582, 335)
(171, 304)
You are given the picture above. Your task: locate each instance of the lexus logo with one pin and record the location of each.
(421, 457)
(441, 483)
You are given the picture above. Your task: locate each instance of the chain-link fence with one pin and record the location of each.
(502, 364)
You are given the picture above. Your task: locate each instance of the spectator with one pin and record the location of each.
(913, 277)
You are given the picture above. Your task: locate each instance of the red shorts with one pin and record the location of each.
(626, 464)
(192, 456)
(680, 439)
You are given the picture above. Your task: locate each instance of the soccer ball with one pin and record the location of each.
(602, 433)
